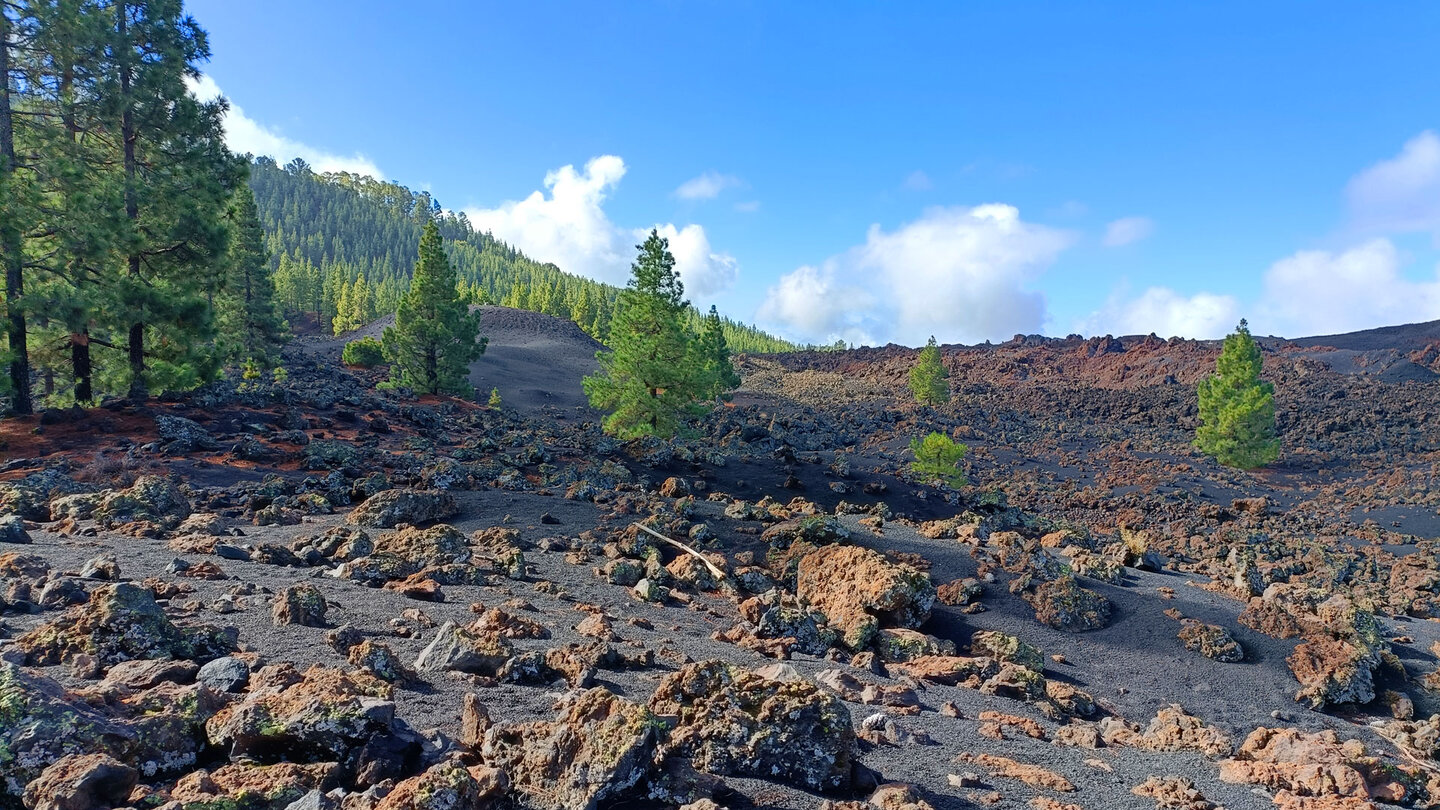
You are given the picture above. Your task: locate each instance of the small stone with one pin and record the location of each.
(225, 674)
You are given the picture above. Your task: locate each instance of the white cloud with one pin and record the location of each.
(1166, 313)
(707, 186)
(1317, 292)
(571, 229)
(1127, 230)
(918, 181)
(244, 134)
(1402, 194)
(957, 273)
(703, 271)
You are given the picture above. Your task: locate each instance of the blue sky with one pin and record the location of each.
(887, 171)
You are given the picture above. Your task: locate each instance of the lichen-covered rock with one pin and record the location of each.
(1333, 671)
(337, 544)
(730, 721)
(817, 530)
(900, 644)
(119, 623)
(448, 786)
(1064, 605)
(599, 746)
(151, 498)
(32, 709)
(324, 715)
(1315, 765)
(1211, 641)
(249, 786)
(12, 530)
(441, 551)
(463, 650)
(1006, 648)
(1173, 793)
(79, 506)
(301, 604)
(379, 660)
(29, 502)
(182, 435)
(388, 509)
(82, 782)
(949, 669)
(859, 591)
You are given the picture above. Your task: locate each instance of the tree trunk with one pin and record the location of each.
(138, 389)
(81, 368)
(10, 246)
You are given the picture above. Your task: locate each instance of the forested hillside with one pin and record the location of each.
(343, 247)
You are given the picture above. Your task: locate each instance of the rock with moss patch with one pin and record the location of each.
(301, 604)
(599, 746)
(731, 721)
(33, 710)
(859, 591)
(1064, 605)
(390, 508)
(1004, 647)
(1211, 641)
(119, 623)
(151, 498)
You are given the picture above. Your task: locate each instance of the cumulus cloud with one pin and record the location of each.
(703, 270)
(570, 228)
(1127, 230)
(707, 186)
(244, 134)
(961, 274)
(1402, 194)
(1166, 313)
(1316, 292)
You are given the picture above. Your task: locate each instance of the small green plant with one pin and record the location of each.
(938, 456)
(367, 352)
(280, 375)
(494, 398)
(250, 369)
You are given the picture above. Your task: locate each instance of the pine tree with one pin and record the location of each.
(435, 336)
(12, 219)
(249, 316)
(929, 380)
(1237, 408)
(177, 179)
(647, 380)
(717, 373)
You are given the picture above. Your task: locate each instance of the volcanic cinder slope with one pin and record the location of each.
(317, 593)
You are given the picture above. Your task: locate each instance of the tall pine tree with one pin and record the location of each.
(435, 337)
(178, 178)
(249, 319)
(12, 219)
(1237, 408)
(648, 379)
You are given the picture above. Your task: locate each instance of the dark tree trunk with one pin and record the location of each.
(10, 246)
(138, 389)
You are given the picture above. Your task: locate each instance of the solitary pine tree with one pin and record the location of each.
(929, 380)
(1237, 409)
(434, 338)
(717, 374)
(647, 380)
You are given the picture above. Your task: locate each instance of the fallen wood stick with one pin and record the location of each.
(719, 575)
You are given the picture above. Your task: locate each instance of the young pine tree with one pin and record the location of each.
(717, 374)
(248, 316)
(435, 336)
(1237, 408)
(647, 381)
(929, 380)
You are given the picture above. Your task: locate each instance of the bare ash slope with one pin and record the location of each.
(421, 603)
